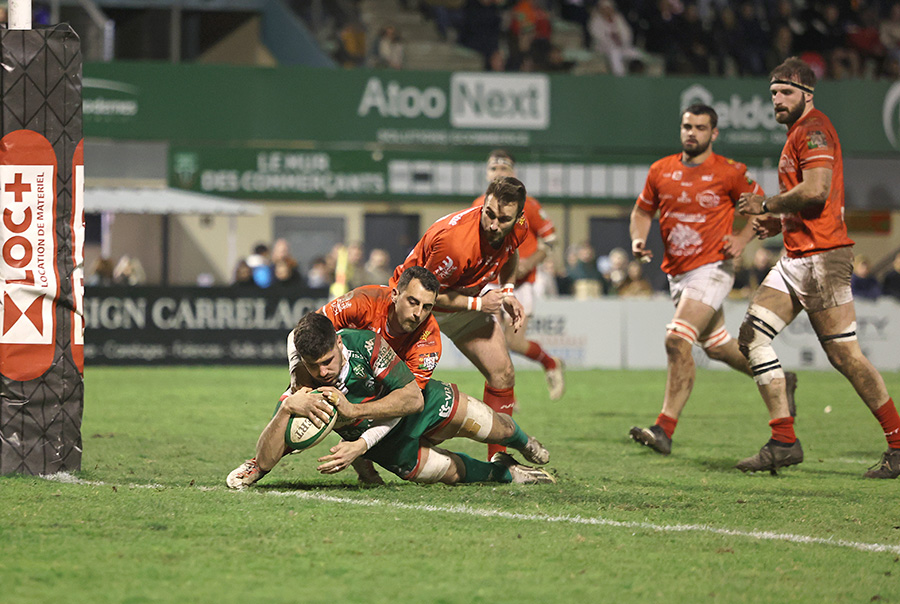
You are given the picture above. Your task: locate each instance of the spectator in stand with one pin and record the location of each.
(129, 271)
(530, 31)
(447, 15)
(351, 51)
(862, 283)
(763, 260)
(281, 251)
(890, 286)
(727, 41)
(285, 274)
(389, 50)
(260, 261)
(743, 285)
(587, 280)
(889, 31)
(243, 275)
(831, 40)
(612, 37)
(662, 31)
(378, 268)
(782, 47)
(102, 273)
(546, 280)
(577, 11)
(481, 27)
(614, 268)
(318, 276)
(863, 37)
(635, 285)
(695, 42)
(751, 55)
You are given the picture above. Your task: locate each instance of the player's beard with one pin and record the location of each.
(698, 149)
(792, 115)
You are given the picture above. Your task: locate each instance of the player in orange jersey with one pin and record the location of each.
(695, 193)
(540, 236)
(466, 251)
(814, 275)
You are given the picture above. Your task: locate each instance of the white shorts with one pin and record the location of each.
(524, 293)
(709, 284)
(456, 325)
(818, 281)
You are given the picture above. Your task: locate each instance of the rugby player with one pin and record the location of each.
(813, 275)
(385, 417)
(466, 251)
(539, 238)
(695, 193)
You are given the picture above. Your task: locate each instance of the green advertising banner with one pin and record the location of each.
(447, 175)
(295, 107)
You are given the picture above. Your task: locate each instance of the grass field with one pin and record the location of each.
(149, 518)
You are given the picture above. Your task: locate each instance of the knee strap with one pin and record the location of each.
(716, 338)
(683, 330)
(433, 468)
(760, 326)
(847, 335)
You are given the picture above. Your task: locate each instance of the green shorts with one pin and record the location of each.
(398, 452)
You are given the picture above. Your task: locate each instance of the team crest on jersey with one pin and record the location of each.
(428, 361)
(708, 199)
(816, 140)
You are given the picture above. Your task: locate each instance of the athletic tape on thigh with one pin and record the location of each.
(765, 325)
(434, 467)
(848, 335)
(683, 330)
(716, 338)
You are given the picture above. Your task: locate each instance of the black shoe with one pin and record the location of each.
(888, 467)
(772, 456)
(653, 437)
(790, 385)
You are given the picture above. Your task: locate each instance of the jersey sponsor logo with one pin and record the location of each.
(708, 199)
(676, 175)
(425, 334)
(447, 405)
(77, 225)
(428, 361)
(683, 241)
(816, 140)
(686, 217)
(707, 177)
(684, 198)
(445, 269)
(786, 165)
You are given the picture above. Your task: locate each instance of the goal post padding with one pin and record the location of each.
(42, 237)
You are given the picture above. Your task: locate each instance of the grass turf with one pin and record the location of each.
(150, 519)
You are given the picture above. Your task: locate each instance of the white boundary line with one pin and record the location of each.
(590, 521)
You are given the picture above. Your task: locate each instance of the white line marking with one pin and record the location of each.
(489, 513)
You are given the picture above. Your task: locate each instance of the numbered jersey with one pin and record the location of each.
(696, 207)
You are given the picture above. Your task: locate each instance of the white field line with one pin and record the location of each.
(538, 518)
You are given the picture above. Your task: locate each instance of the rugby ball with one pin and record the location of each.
(301, 433)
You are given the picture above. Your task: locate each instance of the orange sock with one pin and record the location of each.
(536, 353)
(667, 424)
(501, 400)
(783, 430)
(890, 423)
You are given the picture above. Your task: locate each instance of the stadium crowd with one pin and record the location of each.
(681, 37)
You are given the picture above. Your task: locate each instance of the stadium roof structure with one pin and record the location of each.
(165, 201)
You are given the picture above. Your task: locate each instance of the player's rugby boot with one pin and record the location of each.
(888, 467)
(653, 437)
(245, 474)
(535, 452)
(772, 456)
(790, 385)
(522, 474)
(556, 380)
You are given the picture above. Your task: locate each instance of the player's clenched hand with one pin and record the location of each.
(766, 227)
(640, 252)
(750, 204)
(733, 246)
(345, 408)
(515, 310)
(307, 403)
(342, 455)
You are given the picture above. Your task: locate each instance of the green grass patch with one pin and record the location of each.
(150, 519)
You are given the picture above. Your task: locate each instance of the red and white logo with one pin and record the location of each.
(28, 271)
(78, 255)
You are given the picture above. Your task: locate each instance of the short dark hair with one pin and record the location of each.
(425, 277)
(701, 109)
(508, 189)
(795, 69)
(314, 336)
(502, 153)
